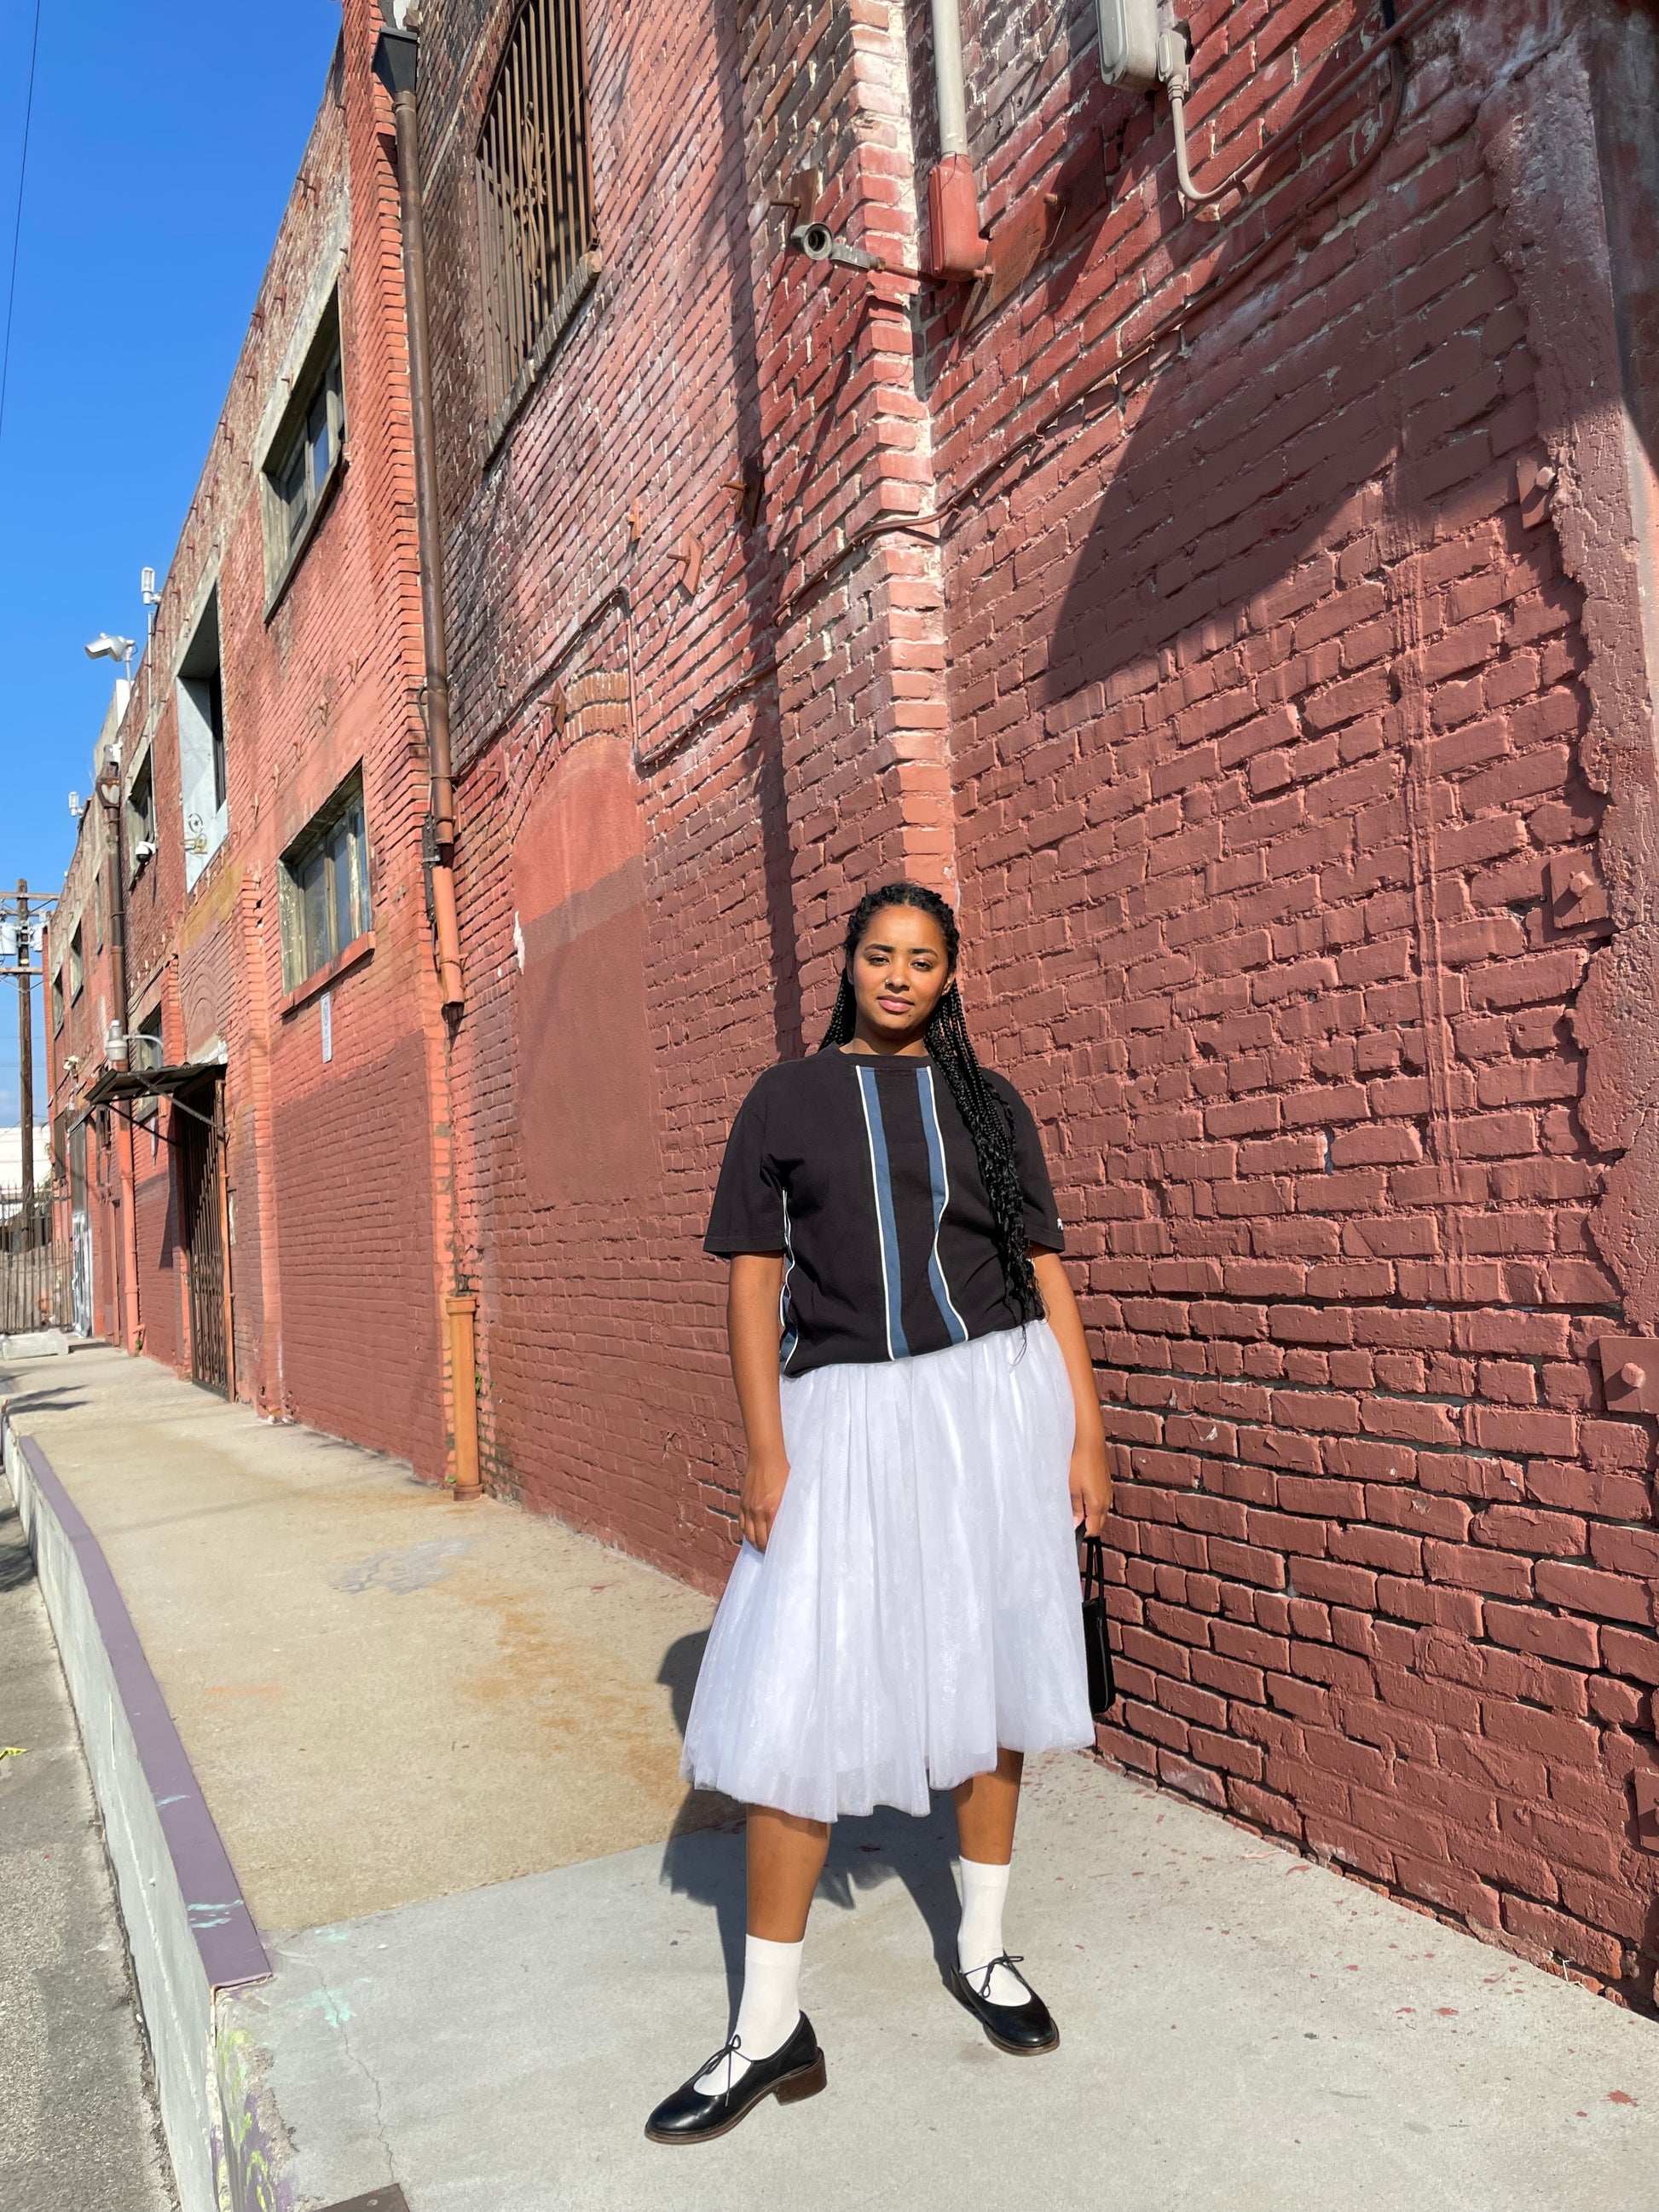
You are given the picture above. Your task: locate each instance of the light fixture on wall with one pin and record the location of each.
(107, 647)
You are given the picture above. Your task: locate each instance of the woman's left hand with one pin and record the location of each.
(1091, 1486)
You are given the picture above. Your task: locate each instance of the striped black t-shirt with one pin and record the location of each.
(858, 1168)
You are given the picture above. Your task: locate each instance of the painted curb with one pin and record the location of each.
(189, 1929)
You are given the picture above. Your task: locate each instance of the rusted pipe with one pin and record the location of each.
(956, 249)
(460, 1314)
(396, 58)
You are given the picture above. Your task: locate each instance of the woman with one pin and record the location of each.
(923, 1436)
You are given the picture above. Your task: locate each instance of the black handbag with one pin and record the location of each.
(1102, 1687)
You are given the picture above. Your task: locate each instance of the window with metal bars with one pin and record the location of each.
(539, 248)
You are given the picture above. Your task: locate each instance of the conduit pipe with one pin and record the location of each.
(397, 58)
(954, 240)
(397, 55)
(111, 797)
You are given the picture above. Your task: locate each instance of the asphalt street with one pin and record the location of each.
(79, 2130)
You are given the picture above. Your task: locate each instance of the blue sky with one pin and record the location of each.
(163, 145)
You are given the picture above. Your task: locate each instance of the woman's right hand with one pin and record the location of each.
(763, 1493)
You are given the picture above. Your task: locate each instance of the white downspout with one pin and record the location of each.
(957, 251)
(947, 73)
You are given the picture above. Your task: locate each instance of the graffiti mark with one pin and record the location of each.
(416, 1567)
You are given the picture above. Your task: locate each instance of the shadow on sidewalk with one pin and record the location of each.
(16, 1561)
(701, 1861)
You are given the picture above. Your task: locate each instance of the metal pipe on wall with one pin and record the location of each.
(956, 249)
(396, 56)
(947, 72)
(396, 61)
(112, 798)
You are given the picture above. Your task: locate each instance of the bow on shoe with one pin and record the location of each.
(1006, 1959)
(728, 2050)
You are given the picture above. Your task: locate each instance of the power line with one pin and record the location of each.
(17, 223)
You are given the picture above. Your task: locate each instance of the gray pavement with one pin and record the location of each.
(384, 1695)
(441, 1744)
(1241, 2032)
(79, 2130)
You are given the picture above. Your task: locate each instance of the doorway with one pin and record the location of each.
(201, 1179)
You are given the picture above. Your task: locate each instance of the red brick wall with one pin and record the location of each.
(333, 1169)
(1265, 724)
(1269, 705)
(605, 1396)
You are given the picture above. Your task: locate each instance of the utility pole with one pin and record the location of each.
(23, 914)
(26, 1054)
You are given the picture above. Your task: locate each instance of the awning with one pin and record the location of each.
(119, 1086)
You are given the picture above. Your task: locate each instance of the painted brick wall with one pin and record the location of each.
(605, 1395)
(332, 1166)
(1270, 709)
(1268, 703)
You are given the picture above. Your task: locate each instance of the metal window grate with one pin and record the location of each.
(535, 196)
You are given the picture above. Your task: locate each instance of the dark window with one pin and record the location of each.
(78, 966)
(305, 454)
(141, 816)
(213, 686)
(57, 1002)
(98, 905)
(325, 904)
(202, 770)
(535, 199)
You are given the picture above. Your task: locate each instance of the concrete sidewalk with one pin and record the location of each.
(441, 1745)
(386, 1696)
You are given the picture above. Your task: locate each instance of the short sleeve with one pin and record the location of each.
(747, 1215)
(1044, 1231)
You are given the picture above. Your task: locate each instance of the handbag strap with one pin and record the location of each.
(1093, 1566)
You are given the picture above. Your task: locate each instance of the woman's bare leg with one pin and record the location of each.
(987, 1807)
(786, 1857)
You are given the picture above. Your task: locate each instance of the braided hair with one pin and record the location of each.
(986, 1117)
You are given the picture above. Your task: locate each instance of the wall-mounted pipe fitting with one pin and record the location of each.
(955, 244)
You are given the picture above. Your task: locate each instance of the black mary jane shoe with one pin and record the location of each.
(1026, 2030)
(690, 2115)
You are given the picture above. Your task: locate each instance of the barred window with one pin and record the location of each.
(534, 199)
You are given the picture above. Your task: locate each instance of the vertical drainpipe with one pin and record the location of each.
(112, 798)
(954, 240)
(397, 56)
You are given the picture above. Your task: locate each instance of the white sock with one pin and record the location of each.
(979, 1940)
(767, 2013)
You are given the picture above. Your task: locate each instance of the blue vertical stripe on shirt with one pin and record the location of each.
(939, 1176)
(887, 1225)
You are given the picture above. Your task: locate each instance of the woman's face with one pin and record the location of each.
(900, 972)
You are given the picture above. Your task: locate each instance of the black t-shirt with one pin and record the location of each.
(858, 1168)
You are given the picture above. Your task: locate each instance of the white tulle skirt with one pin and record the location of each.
(917, 1605)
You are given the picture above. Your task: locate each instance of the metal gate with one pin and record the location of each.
(202, 1164)
(33, 1270)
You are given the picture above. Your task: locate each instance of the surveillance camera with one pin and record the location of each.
(143, 850)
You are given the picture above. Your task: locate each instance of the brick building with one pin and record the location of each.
(277, 1114)
(1244, 607)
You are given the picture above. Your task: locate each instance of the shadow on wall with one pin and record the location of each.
(885, 1846)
